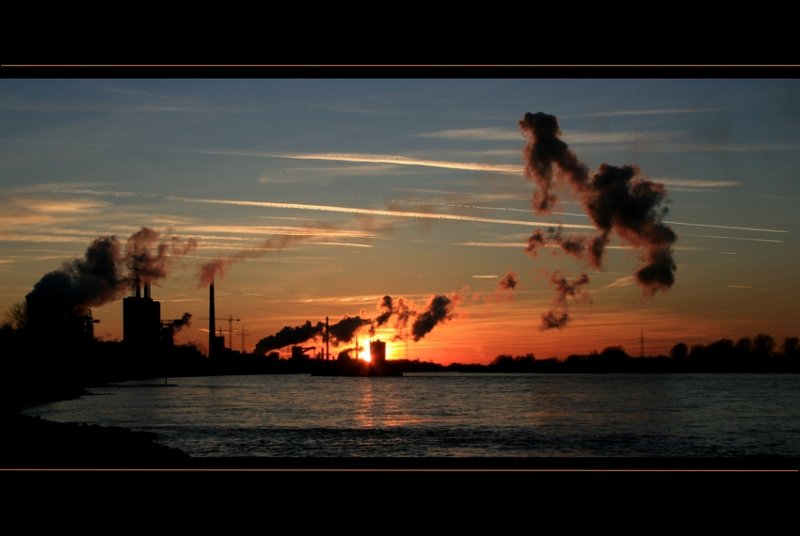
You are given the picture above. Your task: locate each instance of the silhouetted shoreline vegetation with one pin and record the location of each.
(37, 369)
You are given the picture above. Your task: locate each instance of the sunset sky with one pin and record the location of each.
(410, 188)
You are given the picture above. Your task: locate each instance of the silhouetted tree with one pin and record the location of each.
(744, 345)
(17, 315)
(679, 351)
(763, 344)
(791, 346)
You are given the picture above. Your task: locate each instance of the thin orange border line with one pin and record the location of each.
(392, 470)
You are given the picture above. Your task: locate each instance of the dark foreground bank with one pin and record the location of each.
(31, 442)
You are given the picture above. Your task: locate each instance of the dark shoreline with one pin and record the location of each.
(35, 443)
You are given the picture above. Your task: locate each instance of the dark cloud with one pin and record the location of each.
(148, 254)
(182, 322)
(345, 329)
(616, 198)
(508, 281)
(558, 317)
(439, 309)
(400, 310)
(103, 274)
(79, 284)
(289, 335)
(545, 148)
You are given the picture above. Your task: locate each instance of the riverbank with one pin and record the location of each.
(34, 443)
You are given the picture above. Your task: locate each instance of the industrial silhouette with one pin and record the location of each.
(142, 326)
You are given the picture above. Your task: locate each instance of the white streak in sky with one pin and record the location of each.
(737, 238)
(697, 183)
(575, 137)
(746, 287)
(371, 212)
(400, 160)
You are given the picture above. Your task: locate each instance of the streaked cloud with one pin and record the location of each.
(729, 227)
(697, 183)
(747, 287)
(625, 281)
(277, 230)
(476, 134)
(371, 212)
(342, 244)
(736, 238)
(652, 111)
(401, 161)
(574, 137)
(492, 276)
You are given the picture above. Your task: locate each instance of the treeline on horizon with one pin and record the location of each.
(36, 368)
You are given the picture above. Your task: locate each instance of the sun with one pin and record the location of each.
(363, 353)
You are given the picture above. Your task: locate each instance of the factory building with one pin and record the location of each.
(141, 317)
(377, 352)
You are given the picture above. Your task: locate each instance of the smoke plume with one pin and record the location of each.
(182, 322)
(439, 309)
(102, 274)
(558, 317)
(508, 281)
(616, 198)
(582, 247)
(289, 335)
(344, 330)
(79, 284)
(148, 253)
(400, 310)
(386, 306)
(341, 332)
(218, 267)
(544, 148)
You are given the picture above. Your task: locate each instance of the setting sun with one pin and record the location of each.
(363, 352)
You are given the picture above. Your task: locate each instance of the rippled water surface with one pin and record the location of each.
(442, 414)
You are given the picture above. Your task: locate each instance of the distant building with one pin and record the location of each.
(377, 352)
(141, 318)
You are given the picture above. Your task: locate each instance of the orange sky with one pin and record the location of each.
(409, 188)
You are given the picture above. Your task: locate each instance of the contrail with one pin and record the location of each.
(370, 212)
(376, 159)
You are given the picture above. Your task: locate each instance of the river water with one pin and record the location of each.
(456, 415)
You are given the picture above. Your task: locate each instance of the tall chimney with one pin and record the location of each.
(327, 339)
(212, 328)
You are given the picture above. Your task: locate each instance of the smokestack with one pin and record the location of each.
(327, 339)
(212, 328)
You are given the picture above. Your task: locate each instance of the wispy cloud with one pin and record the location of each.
(392, 159)
(342, 244)
(697, 183)
(371, 212)
(652, 111)
(575, 137)
(747, 287)
(709, 147)
(728, 227)
(277, 230)
(475, 134)
(736, 238)
(625, 281)
(518, 245)
(584, 216)
(406, 161)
